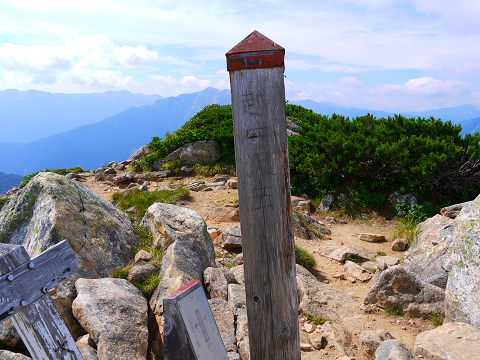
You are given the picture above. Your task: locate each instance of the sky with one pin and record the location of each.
(375, 54)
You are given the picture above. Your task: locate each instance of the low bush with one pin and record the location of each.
(3, 202)
(61, 171)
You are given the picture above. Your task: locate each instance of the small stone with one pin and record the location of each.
(340, 276)
(232, 183)
(372, 238)
(306, 347)
(143, 255)
(399, 245)
(330, 220)
(214, 233)
(308, 328)
(389, 260)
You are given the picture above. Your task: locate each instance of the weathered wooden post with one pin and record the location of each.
(256, 67)
(24, 286)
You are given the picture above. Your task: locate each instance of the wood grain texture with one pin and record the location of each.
(35, 277)
(261, 155)
(39, 323)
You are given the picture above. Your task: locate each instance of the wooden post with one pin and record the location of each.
(24, 286)
(256, 67)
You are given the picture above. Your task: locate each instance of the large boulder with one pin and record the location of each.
(114, 313)
(318, 299)
(200, 152)
(52, 208)
(462, 295)
(394, 350)
(183, 235)
(449, 341)
(429, 257)
(402, 291)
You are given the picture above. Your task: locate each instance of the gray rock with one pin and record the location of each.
(140, 273)
(396, 198)
(400, 289)
(140, 153)
(233, 356)
(223, 315)
(238, 273)
(450, 341)
(241, 335)
(221, 177)
(341, 253)
(153, 176)
(326, 203)
(200, 152)
(394, 350)
(336, 335)
(185, 170)
(318, 299)
(52, 208)
(183, 234)
(216, 283)
(305, 206)
(124, 178)
(389, 260)
(9, 335)
(237, 298)
(238, 259)
(343, 199)
(87, 347)
(232, 238)
(298, 229)
(429, 256)
(8, 355)
(357, 272)
(462, 295)
(292, 126)
(399, 245)
(372, 238)
(114, 313)
(232, 184)
(371, 340)
(453, 210)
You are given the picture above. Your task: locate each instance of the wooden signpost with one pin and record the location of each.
(190, 331)
(256, 67)
(24, 286)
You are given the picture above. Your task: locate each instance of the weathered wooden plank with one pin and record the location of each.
(32, 279)
(39, 324)
(261, 155)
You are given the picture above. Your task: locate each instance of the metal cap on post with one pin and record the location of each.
(254, 52)
(256, 67)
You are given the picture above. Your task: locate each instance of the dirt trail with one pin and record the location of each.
(403, 328)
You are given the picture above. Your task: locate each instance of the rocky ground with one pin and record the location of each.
(402, 328)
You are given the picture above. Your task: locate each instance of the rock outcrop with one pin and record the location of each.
(52, 208)
(114, 313)
(462, 294)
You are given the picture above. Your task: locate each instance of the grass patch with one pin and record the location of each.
(122, 273)
(437, 320)
(3, 202)
(304, 258)
(394, 309)
(61, 171)
(148, 286)
(315, 319)
(142, 200)
(213, 169)
(381, 253)
(355, 258)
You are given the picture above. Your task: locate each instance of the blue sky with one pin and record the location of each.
(377, 54)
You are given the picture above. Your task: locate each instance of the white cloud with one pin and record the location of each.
(469, 68)
(426, 86)
(93, 62)
(350, 81)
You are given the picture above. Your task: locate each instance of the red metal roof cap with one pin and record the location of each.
(255, 42)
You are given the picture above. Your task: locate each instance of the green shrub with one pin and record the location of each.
(408, 217)
(213, 122)
(355, 258)
(372, 155)
(3, 202)
(304, 258)
(61, 171)
(142, 200)
(148, 286)
(394, 309)
(437, 320)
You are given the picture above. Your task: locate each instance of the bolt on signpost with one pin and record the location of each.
(256, 67)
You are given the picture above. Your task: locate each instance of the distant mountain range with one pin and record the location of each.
(117, 136)
(31, 115)
(114, 138)
(7, 181)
